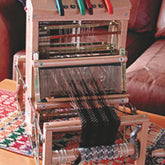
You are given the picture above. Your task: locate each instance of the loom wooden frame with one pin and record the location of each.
(75, 125)
(43, 10)
(46, 11)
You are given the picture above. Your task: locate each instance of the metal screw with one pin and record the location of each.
(40, 64)
(43, 106)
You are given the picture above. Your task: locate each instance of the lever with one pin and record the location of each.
(60, 7)
(135, 142)
(20, 76)
(81, 6)
(89, 6)
(109, 6)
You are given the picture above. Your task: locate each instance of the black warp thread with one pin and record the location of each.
(100, 122)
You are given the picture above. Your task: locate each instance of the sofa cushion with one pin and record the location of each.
(137, 43)
(146, 80)
(4, 49)
(12, 31)
(161, 21)
(143, 15)
(23, 2)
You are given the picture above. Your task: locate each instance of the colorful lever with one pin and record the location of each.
(60, 7)
(89, 6)
(109, 6)
(81, 6)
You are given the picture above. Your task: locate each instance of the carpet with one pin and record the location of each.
(14, 138)
(12, 131)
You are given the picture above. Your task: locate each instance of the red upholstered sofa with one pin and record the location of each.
(12, 34)
(146, 76)
(141, 27)
(146, 91)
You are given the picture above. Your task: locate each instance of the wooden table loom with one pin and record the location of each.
(75, 54)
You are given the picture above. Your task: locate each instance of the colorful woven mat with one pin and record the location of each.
(12, 131)
(14, 138)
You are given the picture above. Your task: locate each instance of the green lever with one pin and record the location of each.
(60, 7)
(81, 6)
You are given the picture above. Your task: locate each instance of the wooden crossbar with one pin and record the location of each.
(49, 157)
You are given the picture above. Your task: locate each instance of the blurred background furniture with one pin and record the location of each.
(12, 34)
(146, 76)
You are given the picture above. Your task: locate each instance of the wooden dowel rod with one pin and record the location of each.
(63, 126)
(75, 125)
(134, 119)
(79, 61)
(52, 105)
(115, 96)
(66, 102)
(158, 153)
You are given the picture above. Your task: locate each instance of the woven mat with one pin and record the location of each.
(12, 131)
(14, 138)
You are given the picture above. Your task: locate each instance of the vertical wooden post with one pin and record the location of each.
(47, 146)
(143, 143)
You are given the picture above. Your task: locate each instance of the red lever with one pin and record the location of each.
(109, 6)
(89, 6)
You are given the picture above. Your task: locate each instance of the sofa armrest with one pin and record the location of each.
(137, 43)
(143, 16)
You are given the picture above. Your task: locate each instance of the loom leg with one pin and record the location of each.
(47, 148)
(143, 143)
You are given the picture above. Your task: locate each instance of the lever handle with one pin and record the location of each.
(81, 6)
(60, 7)
(109, 6)
(89, 6)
